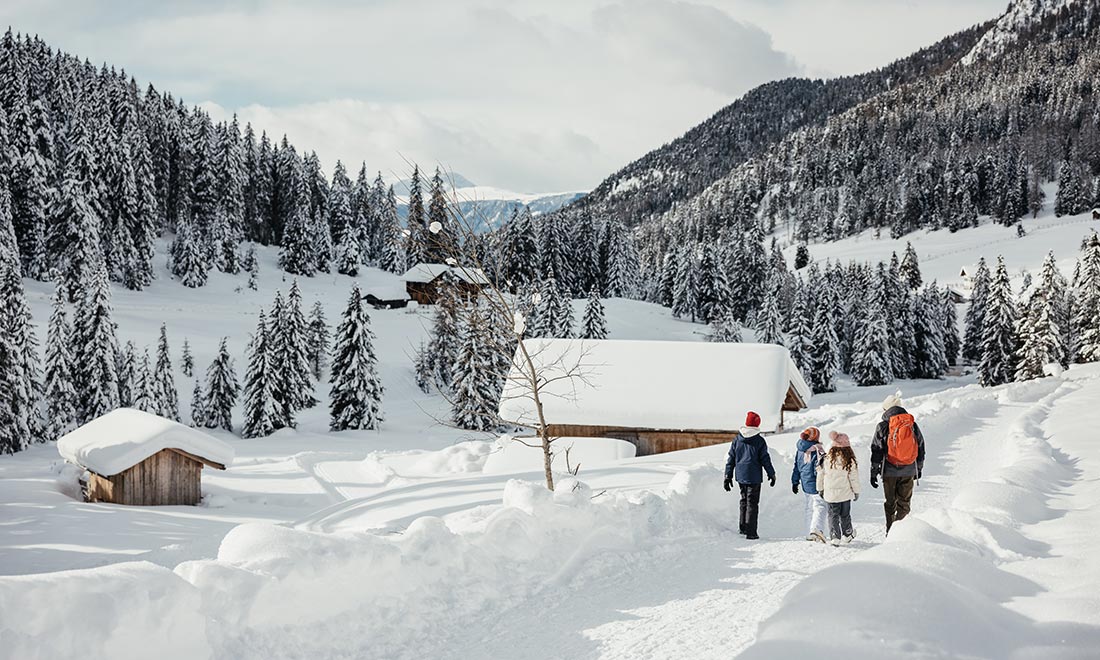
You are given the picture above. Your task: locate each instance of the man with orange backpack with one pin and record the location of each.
(897, 454)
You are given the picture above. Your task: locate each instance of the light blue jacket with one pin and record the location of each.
(805, 466)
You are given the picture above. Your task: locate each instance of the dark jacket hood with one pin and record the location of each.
(894, 410)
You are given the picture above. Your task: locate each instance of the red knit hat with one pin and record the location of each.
(811, 433)
(752, 419)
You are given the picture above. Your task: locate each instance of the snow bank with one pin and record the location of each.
(935, 588)
(125, 437)
(512, 455)
(360, 594)
(133, 610)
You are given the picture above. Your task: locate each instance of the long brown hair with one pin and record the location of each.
(845, 453)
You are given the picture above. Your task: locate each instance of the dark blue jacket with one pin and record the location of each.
(748, 459)
(805, 471)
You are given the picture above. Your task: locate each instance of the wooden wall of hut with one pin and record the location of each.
(166, 477)
(647, 441)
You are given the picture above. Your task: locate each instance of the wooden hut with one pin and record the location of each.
(426, 282)
(659, 395)
(386, 295)
(133, 457)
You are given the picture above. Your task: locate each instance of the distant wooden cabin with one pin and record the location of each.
(659, 395)
(136, 458)
(424, 283)
(387, 295)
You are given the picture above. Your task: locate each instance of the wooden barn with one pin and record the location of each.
(659, 395)
(386, 295)
(136, 458)
(426, 282)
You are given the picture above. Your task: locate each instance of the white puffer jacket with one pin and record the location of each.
(836, 483)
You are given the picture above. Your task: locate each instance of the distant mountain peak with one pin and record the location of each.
(1020, 17)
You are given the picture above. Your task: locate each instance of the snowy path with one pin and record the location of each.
(704, 597)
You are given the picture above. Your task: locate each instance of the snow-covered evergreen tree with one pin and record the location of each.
(952, 343)
(198, 405)
(261, 416)
(871, 352)
(594, 323)
(356, 394)
(474, 396)
(726, 328)
(998, 363)
(1086, 296)
(713, 291)
(929, 356)
(519, 248)
(442, 242)
(823, 355)
(317, 344)
(127, 369)
(187, 361)
(685, 291)
(975, 313)
(768, 319)
(416, 241)
(799, 338)
(186, 255)
(443, 343)
(61, 400)
(222, 389)
(165, 395)
(94, 346)
(618, 261)
(142, 387)
(292, 385)
(910, 268)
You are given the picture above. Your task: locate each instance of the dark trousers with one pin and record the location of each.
(750, 507)
(840, 519)
(899, 492)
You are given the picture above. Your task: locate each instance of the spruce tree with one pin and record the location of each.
(317, 345)
(442, 242)
(871, 352)
(260, 408)
(416, 244)
(975, 313)
(910, 268)
(187, 256)
(94, 345)
(1041, 325)
(187, 361)
(952, 343)
(251, 266)
(222, 389)
(998, 365)
(712, 286)
(799, 339)
(474, 397)
(929, 356)
(356, 394)
(768, 319)
(1086, 294)
(725, 328)
(823, 351)
(198, 405)
(520, 260)
(594, 324)
(391, 249)
(443, 342)
(165, 396)
(685, 292)
(127, 372)
(61, 399)
(292, 386)
(142, 388)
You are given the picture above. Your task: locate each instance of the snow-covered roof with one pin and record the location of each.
(423, 273)
(700, 386)
(388, 290)
(122, 438)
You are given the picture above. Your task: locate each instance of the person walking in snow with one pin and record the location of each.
(838, 486)
(804, 474)
(748, 460)
(897, 455)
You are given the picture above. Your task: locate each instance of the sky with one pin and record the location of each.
(522, 95)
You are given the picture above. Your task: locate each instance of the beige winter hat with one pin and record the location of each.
(892, 400)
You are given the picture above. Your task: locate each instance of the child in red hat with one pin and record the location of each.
(748, 460)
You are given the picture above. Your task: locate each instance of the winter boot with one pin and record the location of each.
(816, 536)
(835, 542)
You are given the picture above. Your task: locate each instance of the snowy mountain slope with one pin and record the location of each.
(1020, 16)
(487, 207)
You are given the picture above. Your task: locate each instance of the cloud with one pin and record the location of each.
(523, 94)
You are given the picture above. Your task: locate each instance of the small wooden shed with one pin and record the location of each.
(136, 458)
(426, 282)
(659, 395)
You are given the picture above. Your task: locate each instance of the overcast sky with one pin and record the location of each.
(530, 96)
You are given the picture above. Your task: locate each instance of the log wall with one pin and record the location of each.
(647, 441)
(167, 477)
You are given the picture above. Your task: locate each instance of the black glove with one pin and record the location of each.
(794, 488)
(855, 497)
(771, 480)
(727, 484)
(920, 471)
(874, 480)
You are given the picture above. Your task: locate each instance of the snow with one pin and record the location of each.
(654, 384)
(1019, 15)
(525, 454)
(125, 437)
(424, 273)
(403, 543)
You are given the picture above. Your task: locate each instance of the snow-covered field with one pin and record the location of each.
(398, 543)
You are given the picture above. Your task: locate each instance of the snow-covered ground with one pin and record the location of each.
(398, 544)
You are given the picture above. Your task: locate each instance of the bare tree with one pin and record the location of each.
(533, 373)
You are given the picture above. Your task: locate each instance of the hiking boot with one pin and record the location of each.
(752, 537)
(849, 539)
(816, 536)
(835, 542)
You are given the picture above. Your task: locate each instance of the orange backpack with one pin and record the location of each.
(901, 445)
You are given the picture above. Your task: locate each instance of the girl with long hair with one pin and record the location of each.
(838, 485)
